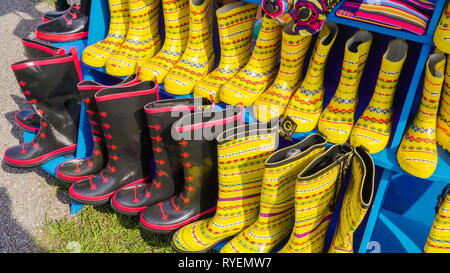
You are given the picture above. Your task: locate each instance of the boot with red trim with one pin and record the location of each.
(122, 117)
(50, 84)
(168, 178)
(78, 169)
(196, 134)
(71, 26)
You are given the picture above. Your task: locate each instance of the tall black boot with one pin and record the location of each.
(121, 111)
(168, 166)
(50, 84)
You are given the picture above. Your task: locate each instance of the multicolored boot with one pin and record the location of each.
(276, 211)
(417, 153)
(373, 128)
(336, 120)
(236, 22)
(443, 122)
(438, 240)
(198, 58)
(442, 34)
(142, 38)
(316, 195)
(176, 23)
(96, 55)
(245, 87)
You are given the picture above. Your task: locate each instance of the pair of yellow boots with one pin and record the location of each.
(264, 197)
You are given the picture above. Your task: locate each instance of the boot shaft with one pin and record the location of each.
(267, 47)
(176, 22)
(119, 16)
(36, 49)
(439, 236)
(143, 15)
(200, 25)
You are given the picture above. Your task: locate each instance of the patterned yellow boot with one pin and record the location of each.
(276, 212)
(442, 33)
(198, 58)
(336, 120)
(438, 240)
(245, 87)
(176, 23)
(236, 22)
(142, 38)
(417, 153)
(273, 101)
(96, 55)
(373, 128)
(316, 194)
(306, 104)
(242, 152)
(443, 122)
(357, 199)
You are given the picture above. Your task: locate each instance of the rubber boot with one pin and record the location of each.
(438, 240)
(357, 199)
(417, 153)
(336, 120)
(306, 105)
(242, 152)
(373, 128)
(70, 27)
(82, 168)
(121, 111)
(316, 194)
(443, 122)
(259, 73)
(142, 40)
(50, 84)
(442, 33)
(198, 58)
(197, 135)
(176, 23)
(272, 103)
(236, 21)
(96, 55)
(276, 213)
(161, 115)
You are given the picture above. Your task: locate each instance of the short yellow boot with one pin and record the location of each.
(442, 33)
(443, 122)
(242, 152)
(373, 129)
(438, 240)
(96, 55)
(306, 104)
(176, 23)
(336, 120)
(357, 199)
(273, 101)
(276, 211)
(316, 194)
(245, 87)
(417, 153)
(142, 39)
(198, 58)
(236, 22)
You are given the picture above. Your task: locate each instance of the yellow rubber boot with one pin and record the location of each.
(176, 24)
(336, 120)
(442, 33)
(242, 152)
(198, 58)
(443, 122)
(96, 55)
(142, 39)
(316, 194)
(273, 101)
(306, 104)
(245, 87)
(373, 128)
(438, 240)
(276, 212)
(357, 199)
(236, 22)
(417, 153)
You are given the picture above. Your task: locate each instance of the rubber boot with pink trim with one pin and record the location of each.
(168, 171)
(196, 135)
(122, 117)
(50, 84)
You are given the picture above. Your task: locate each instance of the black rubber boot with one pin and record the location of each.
(82, 168)
(121, 111)
(50, 84)
(168, 166)
(198, 152)
(71, 26)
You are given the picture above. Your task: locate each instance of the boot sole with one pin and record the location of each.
(124, 212)
(61, 37)
(69, 179)
(202, 251)
(40, 162)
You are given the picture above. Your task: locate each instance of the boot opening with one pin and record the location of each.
(297, 149)
(359, 38)
(433, 60)
(397, 50)
(367, 186)
(142, 86)
(289, 28)
(197, 2)
(230, 6)
(333, 32)
(331, 156)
